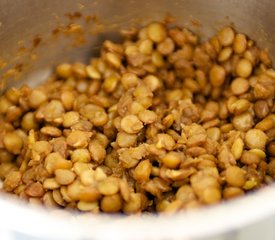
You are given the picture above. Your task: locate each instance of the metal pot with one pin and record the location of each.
(36, 35)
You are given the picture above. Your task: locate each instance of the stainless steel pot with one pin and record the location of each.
(33, 39)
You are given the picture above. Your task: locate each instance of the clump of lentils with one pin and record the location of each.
(157, 123)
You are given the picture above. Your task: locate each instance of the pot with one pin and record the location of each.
(36, 35)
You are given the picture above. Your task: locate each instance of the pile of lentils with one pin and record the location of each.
(158, 123)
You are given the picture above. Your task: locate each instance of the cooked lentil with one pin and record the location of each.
(159, 122)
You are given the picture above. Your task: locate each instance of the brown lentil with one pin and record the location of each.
(77, 191)
(226, 36)
(165, 141)
(111, 204)
(243, 122)
(81, 155)
(34, 190)
(172, 159)
(244, 68)
(146, 47)
(134, 204)
(232, 192)
(147, 116)
(271, 149)
(240, 43)
(156, 32)
(97, 151)
(5, 156)
(261, 108)
(78, 139)
(250, 158)
(12, 180)
(64, 70)
(87, 177)
(70, 118)
(235, 176)
(108, 186)
(55, 161)
(217, 75)
(67, 99)
(125, 140)
(237, 148)
(131, 124)
(265, 124)
(64, 176)
(239, 86)
(36, 98)
(129, 80)
(13, 142)
(50, 183)
(159, 122)
(28, 122)
(51, 131)
(88, 206)
(142, 171)
(225, 54)
(255, 138)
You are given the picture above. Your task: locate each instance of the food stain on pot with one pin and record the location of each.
(27, 49)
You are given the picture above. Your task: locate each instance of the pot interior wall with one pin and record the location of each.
(36, 35)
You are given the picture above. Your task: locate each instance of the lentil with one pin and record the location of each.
(28, 122)
(235, 176)
(36, 98)
(64, 176)
(226, 36)
(142, 171)
(34, 190)
(78, 139)
(225, 54)
(129, 80)
(50, 183)
(97, 151)
(125, 140)
(250, 158)
(232, 192)
(265, 124)
(64, 70)
(271, 149)
(13, 142)
(131, 124)
(239, 86)
(217, 75)
(81, 155)
(147, 116)
(172, 159)
(159, 122)
(12, 180)
(70, 118)
(243, 122)
(255, 138)
(237, 148)
(244, 68)
(108, 186)
(156, 32)
(240, 43)
(261, 109)
(111, 204)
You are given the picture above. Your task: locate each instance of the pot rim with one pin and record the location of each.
(221, 218)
